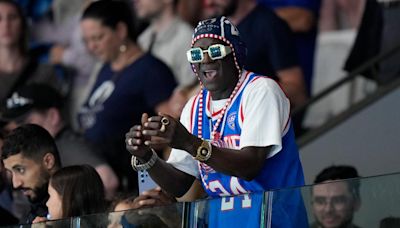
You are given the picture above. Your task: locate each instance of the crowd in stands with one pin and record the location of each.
(92, 92)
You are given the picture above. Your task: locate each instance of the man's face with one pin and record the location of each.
(148, 9)
(215, 8)
(29, 176)
(34, 117)
(333, 204)
(10, 25)
(218, 76)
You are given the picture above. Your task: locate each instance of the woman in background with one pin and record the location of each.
(130, 82)
(75, 191)
(17, 65)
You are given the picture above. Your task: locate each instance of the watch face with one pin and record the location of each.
(204, 151)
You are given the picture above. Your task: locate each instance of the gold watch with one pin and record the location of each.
(204, 151)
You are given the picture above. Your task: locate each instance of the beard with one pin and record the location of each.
(40, 193)
(40, 190)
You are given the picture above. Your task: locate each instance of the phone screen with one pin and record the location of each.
(145, 181)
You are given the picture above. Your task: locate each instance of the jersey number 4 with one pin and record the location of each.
(227, 202)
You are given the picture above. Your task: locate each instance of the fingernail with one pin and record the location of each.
(144, 132)
(146, 124)
(135, 147)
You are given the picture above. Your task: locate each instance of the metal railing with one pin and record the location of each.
(381, 91)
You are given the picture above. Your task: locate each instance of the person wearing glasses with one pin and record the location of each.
(235, 136)
(334, 202)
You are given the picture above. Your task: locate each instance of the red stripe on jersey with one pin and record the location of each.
(241, 113)
(256, 77)
(214, 114)
(192, 113)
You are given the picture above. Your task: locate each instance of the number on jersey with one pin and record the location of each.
(227, 202)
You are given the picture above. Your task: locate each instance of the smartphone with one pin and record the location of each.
(145, 181)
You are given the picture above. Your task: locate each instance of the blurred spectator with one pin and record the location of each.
(17, 65)
(119, 205)
(7, 218)
(340, 14)
(270, 45)
(335, 39)
(75, 191)
(334, 202)
(168, 37)
(30, 154)
(302, 17)
(129, 83)
(164, 213)
(57, 37)
(42, 105)
(378, 33)
(389, 68)
(189, 11)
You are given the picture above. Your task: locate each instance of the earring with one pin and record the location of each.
(122, 48)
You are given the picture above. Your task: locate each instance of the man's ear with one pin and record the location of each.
(49, 161)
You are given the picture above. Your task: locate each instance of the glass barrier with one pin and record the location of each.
(362, 202)
(246, 210)
(62, 223)
(166, 216)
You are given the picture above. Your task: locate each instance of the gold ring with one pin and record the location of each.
(162, 128)
(164, 121)
(130, 142)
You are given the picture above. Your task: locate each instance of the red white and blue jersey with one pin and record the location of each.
(257, 116)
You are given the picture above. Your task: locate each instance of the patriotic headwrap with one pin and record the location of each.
(221, 28)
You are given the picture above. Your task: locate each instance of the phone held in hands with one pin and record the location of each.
(145, 181)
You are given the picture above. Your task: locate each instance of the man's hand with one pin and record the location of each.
(164, 129)
(152, 198)
(134, 141)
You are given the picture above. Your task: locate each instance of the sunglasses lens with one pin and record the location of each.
(215, 52)
(196, 55)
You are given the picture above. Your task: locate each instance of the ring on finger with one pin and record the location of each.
(164, 121)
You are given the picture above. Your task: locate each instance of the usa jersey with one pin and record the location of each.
(281, 170)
